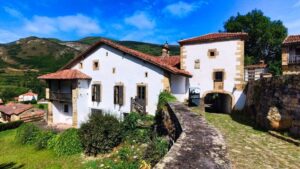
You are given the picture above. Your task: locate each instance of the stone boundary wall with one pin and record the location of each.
(197, 145)
(274, 103)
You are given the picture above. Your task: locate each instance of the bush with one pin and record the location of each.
(67, 143)
(52, 142)
(156, 149)
(100, 133)
(43, 138)
(27, 133)
(163, 98)
(130, 122)
(10, 125)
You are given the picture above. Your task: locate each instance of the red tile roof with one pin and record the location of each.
(171, 60)
(14, 108)
(30, 93)
(256, 66)
(291, 39)
(215, 37)
(66, 74)
(145, 57)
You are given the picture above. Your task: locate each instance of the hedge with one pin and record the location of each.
(10, 125)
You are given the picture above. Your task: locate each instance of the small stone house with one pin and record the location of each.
(256, 71)
(291, 55)
(18, 111)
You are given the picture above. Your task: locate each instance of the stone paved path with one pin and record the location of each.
(200, 146)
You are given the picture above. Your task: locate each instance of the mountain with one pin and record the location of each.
(25, 59)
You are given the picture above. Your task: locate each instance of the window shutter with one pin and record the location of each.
(121, 95)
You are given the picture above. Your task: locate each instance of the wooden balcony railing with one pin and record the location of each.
(294, 59)
(60, 96)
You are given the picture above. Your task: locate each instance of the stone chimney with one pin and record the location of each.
(165, 50)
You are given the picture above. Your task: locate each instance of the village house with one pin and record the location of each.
(291, 55)
(27, 97)
(256, 71)
(109, 77)
(216, 62)
(18, 111)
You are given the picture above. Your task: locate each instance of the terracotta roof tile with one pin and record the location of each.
(292, 39)
(30, 93)
(215, 37)
(67, 74)
(15, 108)
(171, 60)
(143, 56)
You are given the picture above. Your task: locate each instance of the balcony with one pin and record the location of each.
(294, 59)
(60, 96)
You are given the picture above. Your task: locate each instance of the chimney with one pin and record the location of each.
(165, 50)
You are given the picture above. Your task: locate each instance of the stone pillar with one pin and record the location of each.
(74, 106)
(50, 113)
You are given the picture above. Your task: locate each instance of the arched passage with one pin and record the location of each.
(218, 102)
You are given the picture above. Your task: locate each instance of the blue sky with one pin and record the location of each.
(154, 21)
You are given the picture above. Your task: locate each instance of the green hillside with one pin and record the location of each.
(23, 60)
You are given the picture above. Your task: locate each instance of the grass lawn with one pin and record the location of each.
(28, 157)
(251, 148)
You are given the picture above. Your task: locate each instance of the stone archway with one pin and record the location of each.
(218, 101)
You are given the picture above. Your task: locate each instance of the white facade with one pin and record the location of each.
(28, 97)
(254, 73)
(128, 71)
(227, 60)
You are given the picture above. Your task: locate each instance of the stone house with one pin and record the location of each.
(18, 111)
(109, 77)
(29, 96)
(291, 55)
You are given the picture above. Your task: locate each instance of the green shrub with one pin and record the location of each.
(163, 98)
(43, 138)
(10, 125)
(131, 121)
(139, 136)
(100, 133)
(52, 142)
(67, 143)
(125, 153)
(156, 149)
(108, 163)
(27, 133)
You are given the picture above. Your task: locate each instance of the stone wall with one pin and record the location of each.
(196, 143)
(274, 103)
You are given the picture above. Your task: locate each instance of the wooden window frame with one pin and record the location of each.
(219, 70)
(146, 91)
(94, 65)
(81, 65)
(215, 51)
(64, 108)
(94, 96)
(197, 64)
(119, 99)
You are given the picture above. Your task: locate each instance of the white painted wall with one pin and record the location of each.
(59, 116)
(83, 101)
(129, 70)
(226, 60)
(179, 87)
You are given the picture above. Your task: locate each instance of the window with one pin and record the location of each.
(113, 70)
(95, 65)
(212, 53)
(297, 51)
(197, 64)
(96, 111)
(142, 93)
(80, 65)
(218, 76)
(66, 108)
(106, 53)
(96, 93)
(146, 74)
(119, 94)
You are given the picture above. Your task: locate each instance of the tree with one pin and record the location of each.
(265, 36)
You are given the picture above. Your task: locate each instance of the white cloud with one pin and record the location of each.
(8, 36)
(79, 23)
(181, 9)
(297, 4)
(13, 12)
(140, 20)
